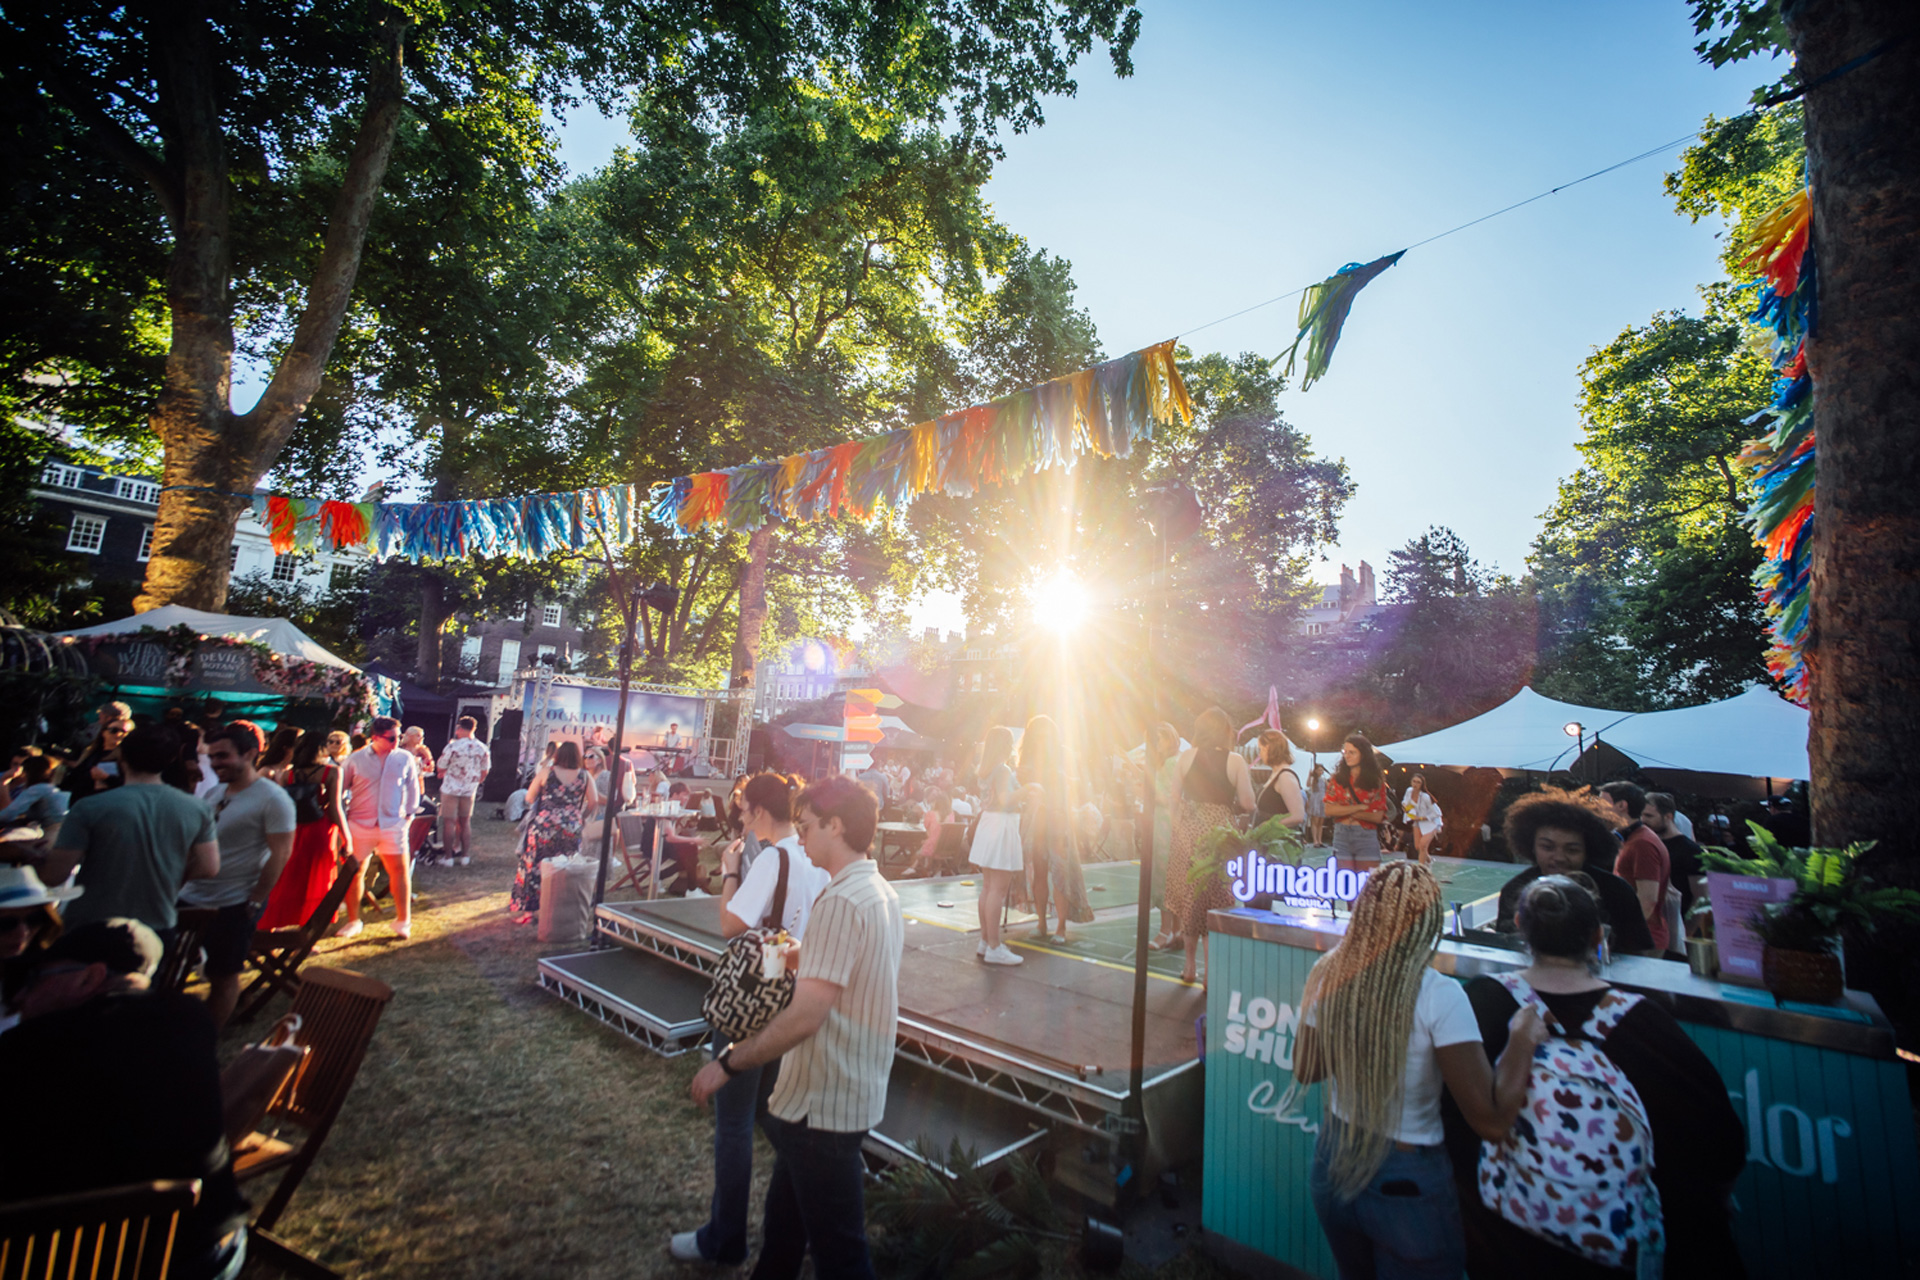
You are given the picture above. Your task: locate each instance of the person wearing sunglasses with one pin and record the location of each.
(384, 793)
(98, 768)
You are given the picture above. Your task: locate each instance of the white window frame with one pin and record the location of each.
(470, 651)
(548, 651)
(233, 557)
(137, 491)
(286, 568)
(94, 537)
(62, 476)
(550, 615)
(507, 666)
(146, 544)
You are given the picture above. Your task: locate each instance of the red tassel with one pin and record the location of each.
(280, 520)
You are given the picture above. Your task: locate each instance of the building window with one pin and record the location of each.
(470, 653)
(87, 533)
(339, 576)
(138, 491)
(233, 557)
(284, 568)
(550, 615)
(146, 543)
(509, 661)
(544, 652)
(62, 477)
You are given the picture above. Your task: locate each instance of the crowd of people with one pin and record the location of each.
(1434, 1085)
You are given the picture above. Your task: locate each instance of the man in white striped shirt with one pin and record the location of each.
(837, 1038)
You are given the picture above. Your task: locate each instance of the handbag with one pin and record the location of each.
(742, 998)
(254, 1079)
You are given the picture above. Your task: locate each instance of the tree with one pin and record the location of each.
(41, 575)
(209, 110)
(1865, 360)
(1644, 563)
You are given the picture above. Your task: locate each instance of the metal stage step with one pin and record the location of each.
(647, 999)
(928, 1111)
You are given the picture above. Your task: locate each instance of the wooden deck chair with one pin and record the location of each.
(190, 926)
(277, 954)
(338, 1012)
(115, 1233)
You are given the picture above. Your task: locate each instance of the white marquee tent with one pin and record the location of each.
(1527, 731)
(277, 634)
(1755, 735)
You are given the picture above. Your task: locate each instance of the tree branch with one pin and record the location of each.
(77, 92)
(298, 376)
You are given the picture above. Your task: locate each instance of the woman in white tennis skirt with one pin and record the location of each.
(996, 841)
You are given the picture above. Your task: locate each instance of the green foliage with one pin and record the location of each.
(1831, 892)
(1732, 30)
(1741, 168)
(1273, 839)
(962, 1222)
(44, 584)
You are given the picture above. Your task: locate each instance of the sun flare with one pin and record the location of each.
(1059, 603)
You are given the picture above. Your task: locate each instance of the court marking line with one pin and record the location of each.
(1105, 964)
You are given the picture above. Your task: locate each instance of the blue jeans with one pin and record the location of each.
(1405, 1225)
(816, 1203)
(739, 1102)
(1352, 840)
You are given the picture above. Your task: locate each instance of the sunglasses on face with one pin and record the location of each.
(386, 737)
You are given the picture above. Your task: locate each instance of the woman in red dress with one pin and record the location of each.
(319, 836)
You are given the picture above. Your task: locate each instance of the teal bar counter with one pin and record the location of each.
(1832, 1184)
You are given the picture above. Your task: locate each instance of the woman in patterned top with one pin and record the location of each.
(558, 803)
(1357, 800)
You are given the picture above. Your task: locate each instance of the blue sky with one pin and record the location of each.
(1259, 146)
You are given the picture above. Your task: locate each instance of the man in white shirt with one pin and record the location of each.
(746, 902)
(385, 793)
(463, 768)
(255, 819)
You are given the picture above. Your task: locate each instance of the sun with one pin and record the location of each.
(1059, 602)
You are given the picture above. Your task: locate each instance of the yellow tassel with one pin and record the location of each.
(926, 456)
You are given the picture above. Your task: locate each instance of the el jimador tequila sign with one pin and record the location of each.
(1831, 1187)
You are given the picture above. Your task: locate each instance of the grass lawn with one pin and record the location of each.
(497, 1132)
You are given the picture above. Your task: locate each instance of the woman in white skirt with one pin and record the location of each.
(996, 841)
(1423, 816)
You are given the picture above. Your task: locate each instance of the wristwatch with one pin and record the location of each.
(725, 1059)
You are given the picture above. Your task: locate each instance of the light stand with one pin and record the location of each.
(633, 608)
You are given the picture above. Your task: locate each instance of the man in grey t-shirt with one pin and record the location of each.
(256, 820)
(136, 844)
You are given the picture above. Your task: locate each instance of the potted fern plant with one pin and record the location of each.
(1800, 937)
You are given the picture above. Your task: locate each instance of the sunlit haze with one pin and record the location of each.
(1059, 603)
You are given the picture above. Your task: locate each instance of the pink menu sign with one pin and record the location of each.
(1736, 900)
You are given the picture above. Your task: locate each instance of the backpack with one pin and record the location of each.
(1577, 1167)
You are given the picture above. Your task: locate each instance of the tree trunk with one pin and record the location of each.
(214, 457)
(1864, 650)
(433, 623)
(753, 607)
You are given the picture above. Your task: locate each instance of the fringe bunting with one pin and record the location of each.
(1782, 461)
(1101, 411)
(1323, 314)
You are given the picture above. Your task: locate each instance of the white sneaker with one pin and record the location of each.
(403, 931)
(980, 947)
(463, 859)
(685, 1247)
(1003, 954)
(351, 929)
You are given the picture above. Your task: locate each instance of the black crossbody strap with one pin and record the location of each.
(779, 917)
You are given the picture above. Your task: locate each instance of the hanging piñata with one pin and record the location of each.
(1782, 461)
(1323, 313)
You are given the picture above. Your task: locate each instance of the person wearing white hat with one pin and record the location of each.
(29, 922)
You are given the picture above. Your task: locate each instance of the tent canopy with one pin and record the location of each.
(1527, 731)
(1757, 734)
(277, 634)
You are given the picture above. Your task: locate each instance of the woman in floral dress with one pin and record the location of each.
(558, 803)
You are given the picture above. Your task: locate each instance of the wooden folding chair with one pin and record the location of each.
(636, 853)
(277, 954)
(190, 926)
(338, 1012)
(115, 1233)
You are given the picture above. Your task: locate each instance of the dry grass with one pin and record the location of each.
(496, 1132)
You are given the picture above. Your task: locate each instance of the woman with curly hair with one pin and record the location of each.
(1387, 1030)
(1356, 799)
(1570, 833)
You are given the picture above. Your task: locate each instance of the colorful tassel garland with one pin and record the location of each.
(1323, 313)
(1781, 514)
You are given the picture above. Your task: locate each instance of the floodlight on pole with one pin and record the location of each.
(1573, 728)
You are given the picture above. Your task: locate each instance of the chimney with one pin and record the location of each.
(1347, 587)
(931, 635)
(1366, 585)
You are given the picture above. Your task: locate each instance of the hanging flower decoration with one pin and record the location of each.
(344, 690)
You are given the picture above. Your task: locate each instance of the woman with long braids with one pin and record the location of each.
(1357, 799)
(1387, 1030)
